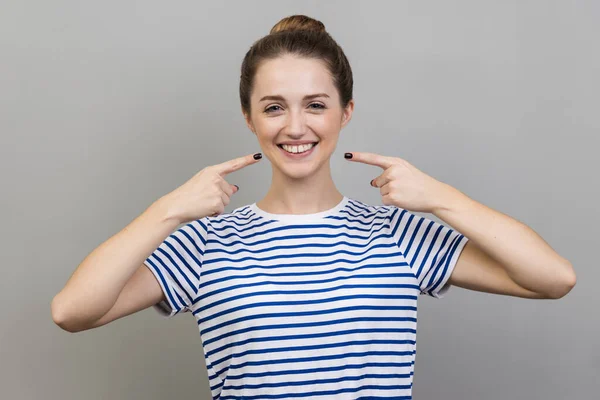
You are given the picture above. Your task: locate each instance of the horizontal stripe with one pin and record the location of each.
(307, 306)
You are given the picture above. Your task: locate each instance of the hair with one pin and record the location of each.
(301, 36)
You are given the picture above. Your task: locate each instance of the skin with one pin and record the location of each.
(297, 186)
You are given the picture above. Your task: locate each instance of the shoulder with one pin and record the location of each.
(360, 209)
(237, 216)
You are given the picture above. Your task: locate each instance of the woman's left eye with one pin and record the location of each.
(321, 106)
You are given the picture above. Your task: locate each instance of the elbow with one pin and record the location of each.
(565, 284)
(60, 316)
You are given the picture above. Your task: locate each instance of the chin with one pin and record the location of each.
(300, 173)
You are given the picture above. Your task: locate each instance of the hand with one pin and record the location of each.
(206, 193)
(403, 185)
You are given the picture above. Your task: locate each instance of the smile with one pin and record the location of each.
(298, 151)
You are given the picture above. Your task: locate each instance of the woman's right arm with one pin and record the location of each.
(112, 281)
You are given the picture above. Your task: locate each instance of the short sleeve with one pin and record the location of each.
(430, 248)
(176, 264)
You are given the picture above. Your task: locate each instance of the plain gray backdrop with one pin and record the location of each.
(106, 106)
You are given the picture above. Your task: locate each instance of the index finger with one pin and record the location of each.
(372, 159)
(237, 163)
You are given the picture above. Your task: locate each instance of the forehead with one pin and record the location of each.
(292, 77)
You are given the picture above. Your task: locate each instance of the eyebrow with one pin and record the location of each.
(307, 97)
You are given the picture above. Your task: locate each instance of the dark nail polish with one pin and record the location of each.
(348, 155)
(371, 183)
(257, 156)
(238, 188)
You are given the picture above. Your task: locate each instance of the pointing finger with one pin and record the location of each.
(237, 163)
(372, 159)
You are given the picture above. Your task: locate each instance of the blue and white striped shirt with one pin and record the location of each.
(298, 306)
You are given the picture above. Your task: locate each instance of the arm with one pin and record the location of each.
(141, 291)
(112, 281)
(505, 256)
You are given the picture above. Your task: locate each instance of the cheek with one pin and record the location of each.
(333, 122)
(265, 131)
(329, 129)
(325, 126)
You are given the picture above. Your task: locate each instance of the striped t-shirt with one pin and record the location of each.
(307, 306)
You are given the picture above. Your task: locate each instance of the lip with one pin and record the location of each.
(296, 156)
(298, 143)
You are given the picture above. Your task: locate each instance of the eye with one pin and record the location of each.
(269, 109)
(319, 107)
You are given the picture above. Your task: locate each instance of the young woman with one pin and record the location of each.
(306, 293)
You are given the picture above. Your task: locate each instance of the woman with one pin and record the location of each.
(306, 292)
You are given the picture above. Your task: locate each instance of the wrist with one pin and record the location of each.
(164, 210)
(450, 199)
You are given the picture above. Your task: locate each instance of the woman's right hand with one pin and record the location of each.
(206, 193)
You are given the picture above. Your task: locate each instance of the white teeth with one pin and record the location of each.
(297, 149)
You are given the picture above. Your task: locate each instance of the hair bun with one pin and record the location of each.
(298, 23)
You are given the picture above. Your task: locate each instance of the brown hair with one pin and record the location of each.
(302, 36)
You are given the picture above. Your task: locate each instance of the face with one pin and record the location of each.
(294, 101)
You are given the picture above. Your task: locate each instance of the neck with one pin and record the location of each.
(306, 195)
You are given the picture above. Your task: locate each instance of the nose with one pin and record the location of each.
(296, 123)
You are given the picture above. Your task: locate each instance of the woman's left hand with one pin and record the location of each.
(403, 185)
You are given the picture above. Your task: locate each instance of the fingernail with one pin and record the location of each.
(238, 188)
(348, 155)
(257, 156)
(372, 182)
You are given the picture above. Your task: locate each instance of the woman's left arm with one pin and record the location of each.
(503, 255)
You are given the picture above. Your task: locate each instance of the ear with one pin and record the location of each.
(347, 114)
(249, 123)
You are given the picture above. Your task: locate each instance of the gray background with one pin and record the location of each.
(106, 106)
